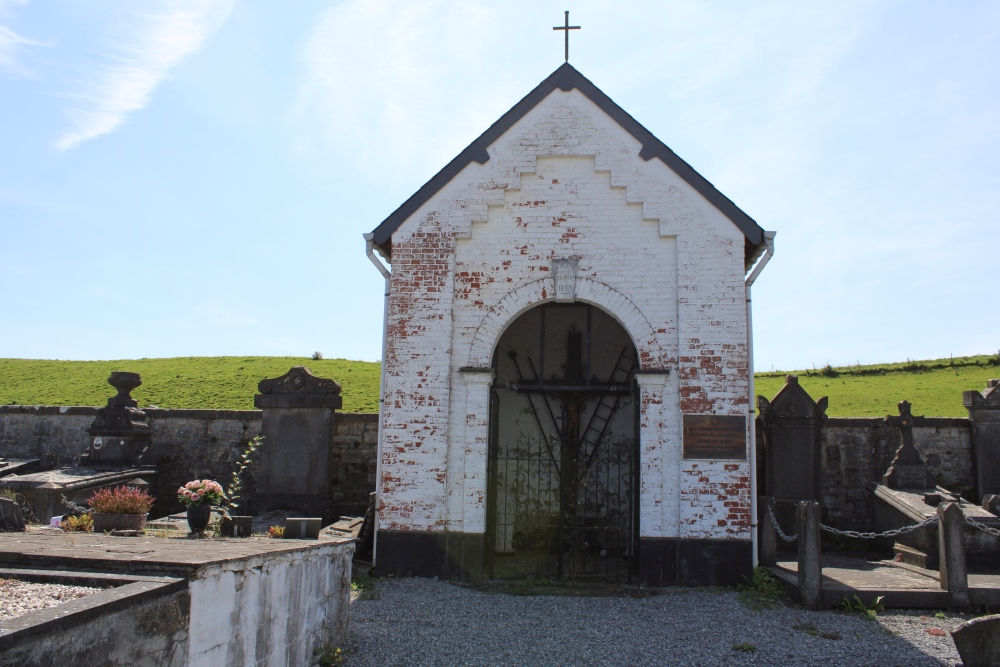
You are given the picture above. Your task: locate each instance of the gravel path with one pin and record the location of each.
(428, 622)
(19, 597)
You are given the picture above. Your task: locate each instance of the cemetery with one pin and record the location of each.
(567, 394)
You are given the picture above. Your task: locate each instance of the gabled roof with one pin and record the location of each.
(566, 78)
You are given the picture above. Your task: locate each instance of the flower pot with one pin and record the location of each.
(198, 517)
(104, 523)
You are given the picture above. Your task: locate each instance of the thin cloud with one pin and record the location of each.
(11, 43)
(156, 44)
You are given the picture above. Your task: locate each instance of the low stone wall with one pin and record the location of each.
(857, 452)
(192, 444)
(200, 603)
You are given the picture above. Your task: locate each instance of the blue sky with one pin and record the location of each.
(193, 177)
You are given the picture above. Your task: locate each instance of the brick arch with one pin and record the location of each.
(539, 291)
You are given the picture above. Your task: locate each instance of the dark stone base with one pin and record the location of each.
(662, 562)
(405, 553)
(673, 562)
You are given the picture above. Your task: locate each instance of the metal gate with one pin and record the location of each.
(564, 505)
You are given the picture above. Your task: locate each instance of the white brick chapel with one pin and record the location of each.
(567, 360)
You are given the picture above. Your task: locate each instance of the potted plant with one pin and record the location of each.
(199, 496)
(119, 508)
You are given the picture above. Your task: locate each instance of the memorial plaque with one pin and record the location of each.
(715, 437)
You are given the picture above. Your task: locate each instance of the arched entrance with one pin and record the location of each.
(563, 451)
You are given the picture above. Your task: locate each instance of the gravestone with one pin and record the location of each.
(908, 469)
(793, 423)
(297, 425)
(120, 434)
(984, 417)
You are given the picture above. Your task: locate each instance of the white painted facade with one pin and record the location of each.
(566, 181)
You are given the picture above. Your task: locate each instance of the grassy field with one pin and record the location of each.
(934, 387)
(221, 383)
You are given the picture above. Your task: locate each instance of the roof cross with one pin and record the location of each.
(567, 28)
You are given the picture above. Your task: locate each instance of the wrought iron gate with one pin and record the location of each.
(565, 507)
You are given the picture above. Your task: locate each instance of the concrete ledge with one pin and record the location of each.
(128, 593)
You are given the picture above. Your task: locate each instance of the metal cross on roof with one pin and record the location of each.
(567, 28)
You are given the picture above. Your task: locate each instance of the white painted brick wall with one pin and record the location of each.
(565, 181)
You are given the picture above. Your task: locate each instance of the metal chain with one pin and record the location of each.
(777, 528)
(889, 533)
(995, 532)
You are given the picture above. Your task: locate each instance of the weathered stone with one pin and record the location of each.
(11, 518)
(908, 470)
(991, 503)
(952, 549)
(978, 641)
(984, 414)
(298, 428)
(299, 528)
(793, 422)
(120, 432)
(810, 573)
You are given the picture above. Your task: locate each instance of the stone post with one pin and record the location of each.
(767, 538)
(984, 418)
(810, 571)
(952, 550)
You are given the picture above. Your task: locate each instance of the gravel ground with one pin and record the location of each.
(429, 622)
(19, 597)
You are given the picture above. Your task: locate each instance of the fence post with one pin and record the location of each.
(810, 571)
(768, 539)
(952, 554)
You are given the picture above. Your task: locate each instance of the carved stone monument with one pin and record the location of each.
(908, 469)
(298, 431)
(117, 453)
(793, 423)
(120, 434)
(984, 417)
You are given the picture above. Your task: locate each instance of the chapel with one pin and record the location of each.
(567, 358)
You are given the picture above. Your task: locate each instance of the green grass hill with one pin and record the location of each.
(219, 383)
(934, 387)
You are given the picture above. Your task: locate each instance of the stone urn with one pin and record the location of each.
(105, 523)
(198, 517)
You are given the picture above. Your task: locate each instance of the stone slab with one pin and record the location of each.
(902, 586)
(38, 548)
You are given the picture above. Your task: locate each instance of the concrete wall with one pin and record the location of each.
(857, 452)
(107, 629)
(191, 444)
(272, 610)
(564, 182)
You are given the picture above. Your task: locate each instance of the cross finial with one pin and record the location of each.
(567, 28)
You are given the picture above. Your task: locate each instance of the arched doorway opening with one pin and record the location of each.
(563, 451)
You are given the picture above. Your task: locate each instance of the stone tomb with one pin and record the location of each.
(176, 602)
(117, 453)
(907, 496)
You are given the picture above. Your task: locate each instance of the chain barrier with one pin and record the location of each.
(888, 533)
(995, 532)
(871, 536)
(777, 527)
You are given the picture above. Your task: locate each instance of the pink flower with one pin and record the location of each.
(181, 490)
(195, 497)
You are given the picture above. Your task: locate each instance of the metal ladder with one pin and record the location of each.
(606, 407)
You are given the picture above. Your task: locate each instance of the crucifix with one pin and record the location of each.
(567, 28)
(908, 470)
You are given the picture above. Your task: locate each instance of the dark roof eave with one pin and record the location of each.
(566, 78)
